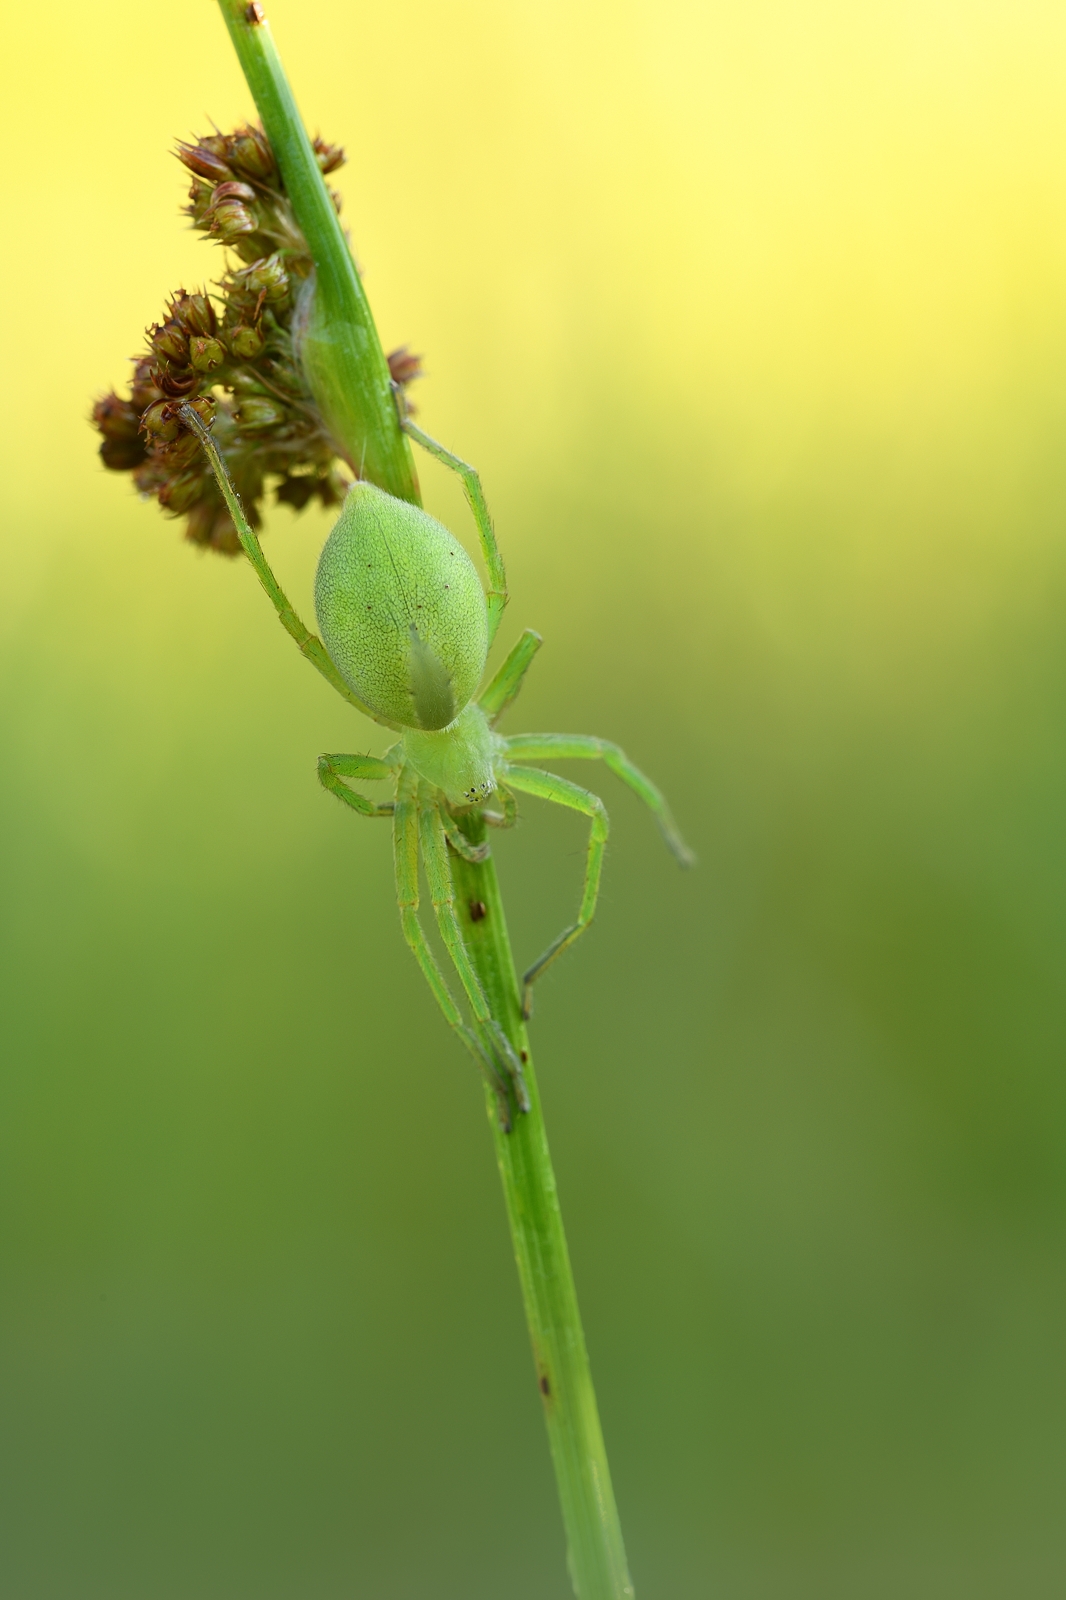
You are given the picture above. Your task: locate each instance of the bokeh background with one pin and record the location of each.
(754, 318)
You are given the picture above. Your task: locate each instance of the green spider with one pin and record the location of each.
(406, 629)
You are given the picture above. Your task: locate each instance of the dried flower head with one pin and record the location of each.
(231, 354)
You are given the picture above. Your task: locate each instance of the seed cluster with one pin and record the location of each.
(231, 355)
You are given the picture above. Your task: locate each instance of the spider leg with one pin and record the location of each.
(509, 815)
(497, 590)
(332, 770)
(547, 786)
(459, 842)
(308, 643)
(565, 747)
(442, 892)
(508, 681)
(405, 841)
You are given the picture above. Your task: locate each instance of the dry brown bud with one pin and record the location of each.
(161, 422)
(250, 152)
(267, 277)
(182, 491)
(206, 354)
(203, 161)
(122, 455)
(169, 343)
(328, 156)
(176, 382)
(115, 418)
(231, 220)
(257, 414)
(403, 366)
(246, 343)
(209, 524)
(143, 388)
(194, 312)
(232, 191)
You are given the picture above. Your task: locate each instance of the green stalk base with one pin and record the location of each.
(350, 379)
(597, 1557)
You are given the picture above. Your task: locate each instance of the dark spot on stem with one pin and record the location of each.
(524, 1056)
(545, 1386)
(255, 14)
(478, 910)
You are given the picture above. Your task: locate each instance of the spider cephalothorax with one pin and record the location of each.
(406, 630)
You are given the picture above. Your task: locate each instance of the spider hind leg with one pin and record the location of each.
(406, 840)
(442, 892)
(530, 780)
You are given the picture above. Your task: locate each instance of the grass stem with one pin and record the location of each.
(353, 375)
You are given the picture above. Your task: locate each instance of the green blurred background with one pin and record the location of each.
(755, 320)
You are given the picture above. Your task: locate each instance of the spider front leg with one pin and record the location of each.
(405, 841)
(510, 677)
(458, 841)
(442, 893)
(496, 594)
(568, 747)
(507, 816)
(530, 780)
(308, 643)
(332, 770)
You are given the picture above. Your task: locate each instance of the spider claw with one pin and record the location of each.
(503, 1109)
(512, 1068)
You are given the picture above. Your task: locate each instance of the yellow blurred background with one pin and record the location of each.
(754, 319)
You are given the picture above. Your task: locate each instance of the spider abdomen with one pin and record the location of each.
(401, 610)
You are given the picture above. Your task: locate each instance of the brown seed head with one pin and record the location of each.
(245, 342)
(257, 414)
(181, 492)
(202, 160)
(193, 312)
(176, 383)
(403, 366)
(143, 387)
(160, 422)
(231, 220)
(250, 153)
(169, 343)
(115, 418)
(232, 191)
(267, 277)
(328, 156)
(206, 354)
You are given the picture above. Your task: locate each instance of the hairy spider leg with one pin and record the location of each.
(496, 594)
(546, 786)
(511, 675)
(309, 644)
(567, 747)
(457, 839)
(332, 770)
(442, 893)
(405, 844)
(509, 815)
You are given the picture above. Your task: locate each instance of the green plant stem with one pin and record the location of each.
(368, 422)
(342, 353)
(596, 1553)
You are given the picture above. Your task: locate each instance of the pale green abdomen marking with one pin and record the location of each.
(401, 610)
(431, 686)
